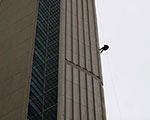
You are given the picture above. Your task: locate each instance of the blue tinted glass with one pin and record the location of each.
(44, 79)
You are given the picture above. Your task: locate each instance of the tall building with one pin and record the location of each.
(49, 61)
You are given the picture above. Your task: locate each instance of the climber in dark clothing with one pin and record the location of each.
(104, 48)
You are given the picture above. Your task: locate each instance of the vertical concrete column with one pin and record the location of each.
(80, 73)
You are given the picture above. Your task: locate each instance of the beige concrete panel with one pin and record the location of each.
(74, 32)
(83, 97)
(80, 29)
(90, 100)
(61, 117)
(13, 28)
(86, 31)
(23, 36)
(98, 102)
(89, 83)
(61, 106)
(98, 110)
(74, 28)
(84, 113)
(82, 54)
(61, 86)
(97, 39)
(95, 61)
(96, 87)
(15, 82)
(69, 6)
(75, 55)
(95, 67)
(88, 58)
(81, 34)
(0, 2)
(86, 34)
(14, 115)
(12, 102)
(82, 61)
(25, 8)
(68, 31)
(80, 15)
(76, 93)
(15, 60)
(74, 7)
(76, 111)
(91, 114)
(75, 76)
(85, 10)
(62, 65)
(17, 21)
(68, 73)
(82, 80)
(93, 38)
(103, 102)
(69, 54)
(91, 22)
(13, 50)
(69, 90)
(69, 109)
(61, 83)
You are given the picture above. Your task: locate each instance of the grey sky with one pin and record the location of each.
(125, 26)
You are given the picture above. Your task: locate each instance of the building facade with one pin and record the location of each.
(49, 61)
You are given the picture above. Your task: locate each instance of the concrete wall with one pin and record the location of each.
(80, 80)
(17, 31)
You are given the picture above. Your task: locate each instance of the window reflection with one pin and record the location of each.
(44, 79)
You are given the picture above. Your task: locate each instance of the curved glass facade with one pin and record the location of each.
(44, 79)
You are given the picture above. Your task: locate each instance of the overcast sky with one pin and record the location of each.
(125, 26)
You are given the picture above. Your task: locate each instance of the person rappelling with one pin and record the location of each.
(104, 48)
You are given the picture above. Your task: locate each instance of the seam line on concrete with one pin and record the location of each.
(84, 70)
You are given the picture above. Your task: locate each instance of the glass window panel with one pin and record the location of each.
(51, 114)
(50, 98)
(44, 79)
(33, 108)
(51, 81)
(37, 117)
